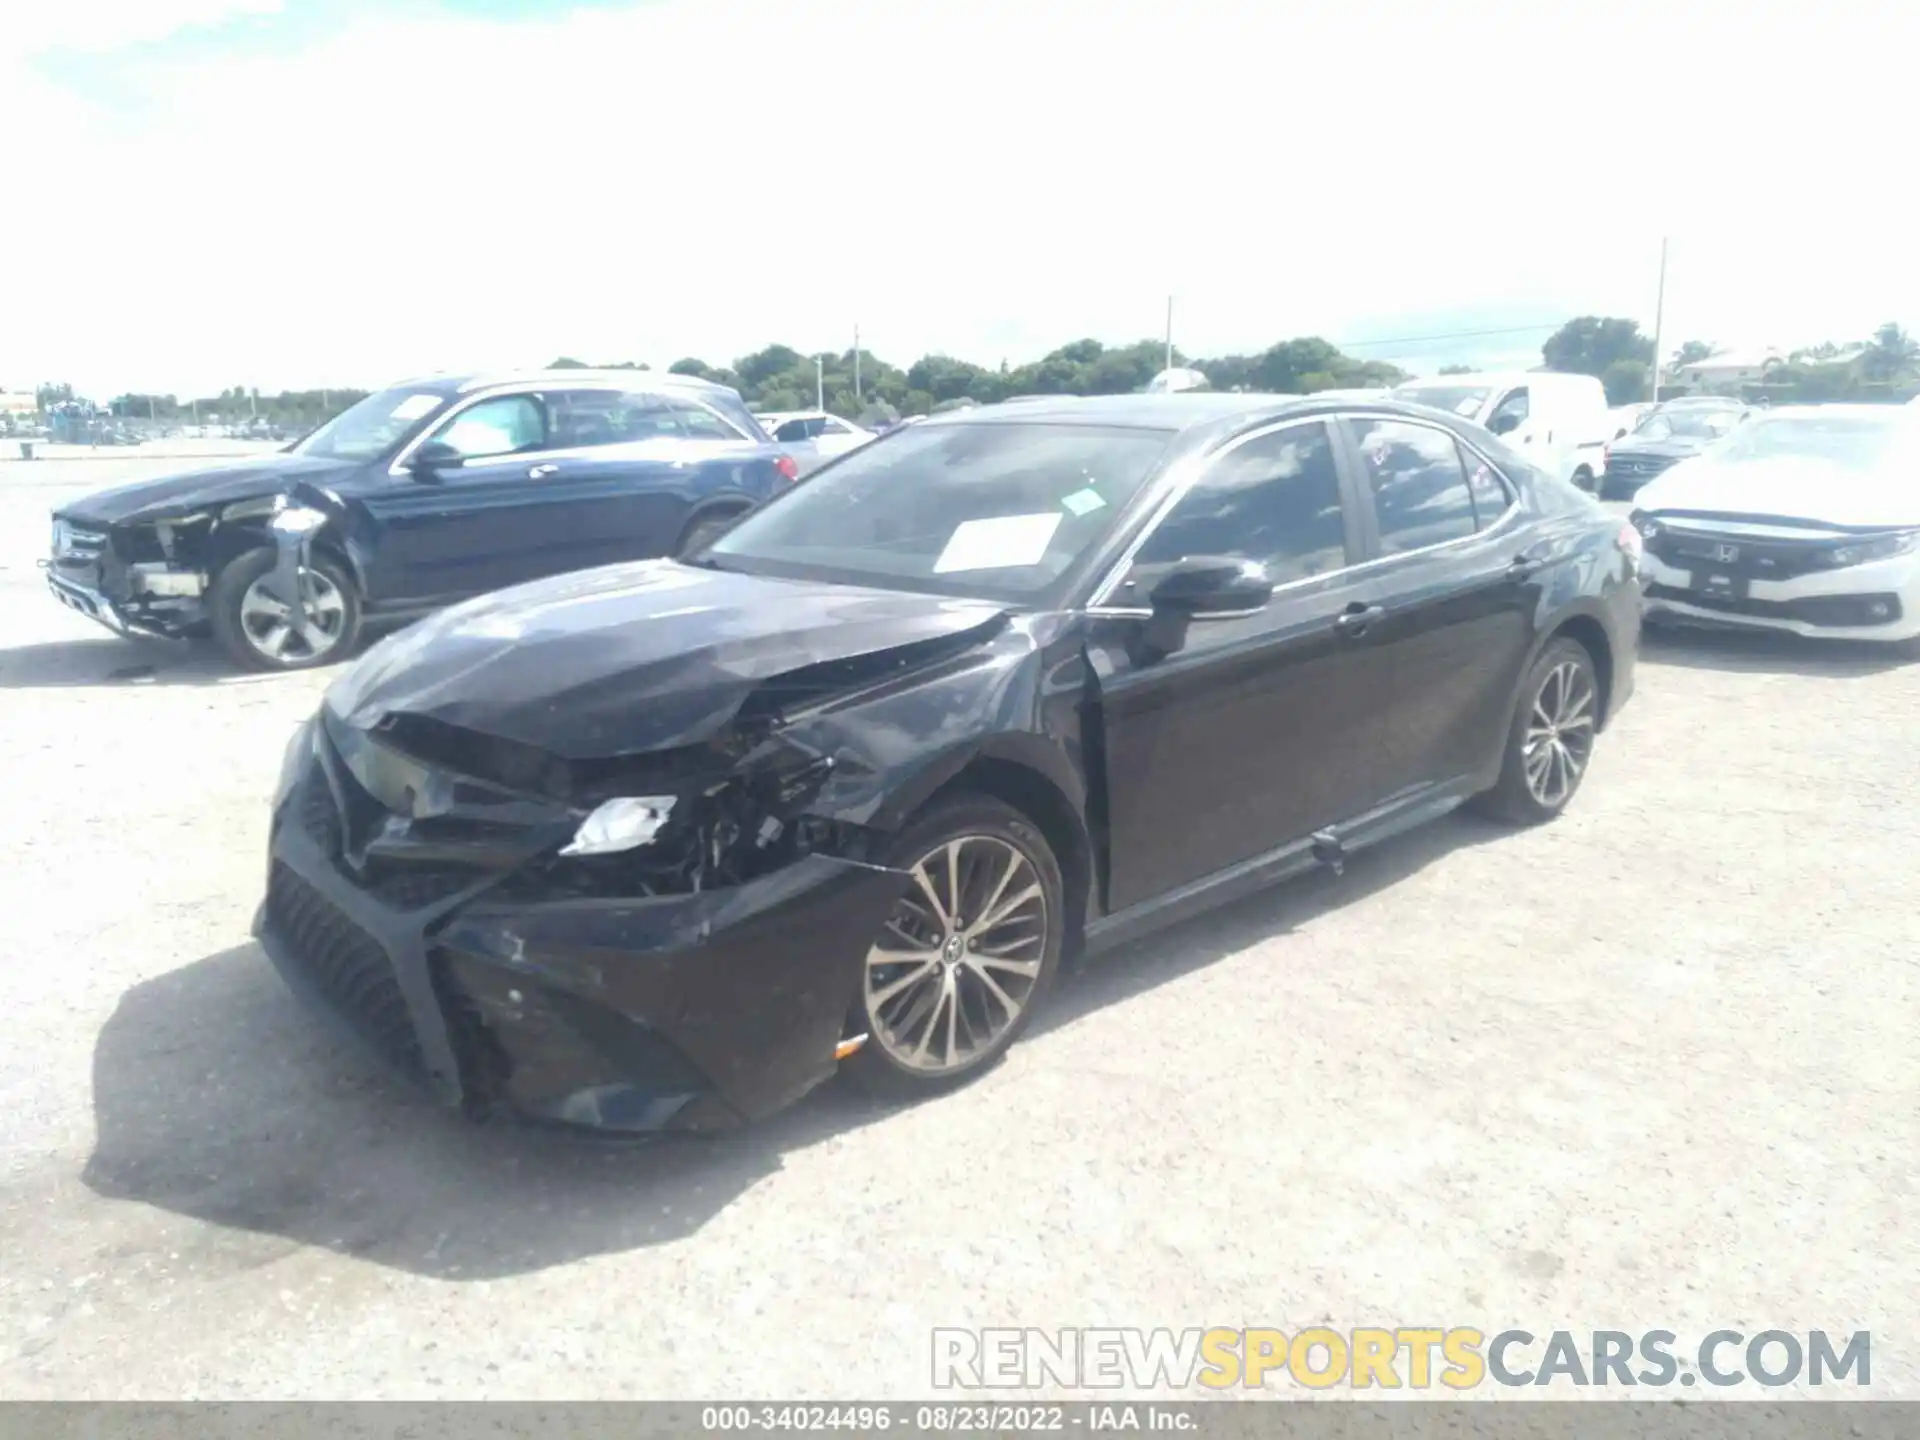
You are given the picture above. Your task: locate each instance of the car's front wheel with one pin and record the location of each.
(1550, 741)
(967, 954)
(264, 629)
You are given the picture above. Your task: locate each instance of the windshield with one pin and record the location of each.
(1466, 400)
(1856, 442)
(1688, 424)
(372, 427)
(994, 510)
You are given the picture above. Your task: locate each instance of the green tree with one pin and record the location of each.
(1692, 353)
(1589, 344)
(567, 362)
(1625, 382)
(1891, 355)
(1456, 370)
(46, 396)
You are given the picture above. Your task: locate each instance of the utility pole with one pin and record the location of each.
(1169, 332)
(819, 384)
(856, 366)
(1659, 315)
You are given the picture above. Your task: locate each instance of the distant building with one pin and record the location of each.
(1721, 374)
(17, 402)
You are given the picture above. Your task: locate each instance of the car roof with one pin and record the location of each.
(1889, 413)
(467, 383)
(1177, 411)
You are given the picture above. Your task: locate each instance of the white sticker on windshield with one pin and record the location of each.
(414, 406)
(1466, 406)
(1083, 502)
(999, 543)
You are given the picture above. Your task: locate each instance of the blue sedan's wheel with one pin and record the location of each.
(265, 629)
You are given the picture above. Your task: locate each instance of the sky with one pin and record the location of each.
(293, 193)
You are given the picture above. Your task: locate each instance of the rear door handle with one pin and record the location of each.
(1524, 566)
(1353, 622)
(540, 472)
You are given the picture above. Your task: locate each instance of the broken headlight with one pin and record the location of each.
(625, 822)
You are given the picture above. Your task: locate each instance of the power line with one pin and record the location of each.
(1451, 335)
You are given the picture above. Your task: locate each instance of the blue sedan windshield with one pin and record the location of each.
(372, 427)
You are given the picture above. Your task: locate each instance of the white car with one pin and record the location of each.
(1805, 519)
(1557, 421)
(812, 437)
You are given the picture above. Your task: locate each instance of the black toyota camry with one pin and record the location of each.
(662, 845)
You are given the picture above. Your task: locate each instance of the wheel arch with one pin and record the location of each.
(1587, 630)
(1043, 800)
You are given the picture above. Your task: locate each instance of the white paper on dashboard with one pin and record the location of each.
(414, 406)
(999, 543)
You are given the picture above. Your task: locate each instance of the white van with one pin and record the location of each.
(1559, 422)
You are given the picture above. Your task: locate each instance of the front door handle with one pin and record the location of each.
(1353, 622)
(540, 472)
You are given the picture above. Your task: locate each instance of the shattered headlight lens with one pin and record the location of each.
(296, 520)
(624, 823)
(299, 751)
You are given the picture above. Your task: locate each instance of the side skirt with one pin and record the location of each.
(1329, 847)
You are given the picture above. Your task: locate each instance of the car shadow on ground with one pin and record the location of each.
(108, 660)
(217, 1096)
(1768, 651)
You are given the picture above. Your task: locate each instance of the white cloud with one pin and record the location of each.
(97, 25)
(989, 177)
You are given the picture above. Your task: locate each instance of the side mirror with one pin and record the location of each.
(1504, 424)
(1209, 587)
(433, 457)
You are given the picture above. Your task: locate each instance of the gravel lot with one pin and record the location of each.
(1652, 1066)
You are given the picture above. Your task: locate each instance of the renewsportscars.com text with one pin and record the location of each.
(1417, 1358)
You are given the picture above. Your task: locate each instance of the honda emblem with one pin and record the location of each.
(1726, 553)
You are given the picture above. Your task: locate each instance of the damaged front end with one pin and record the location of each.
(666, 940)
(150, 574)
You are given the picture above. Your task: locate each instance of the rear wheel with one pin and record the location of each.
(263, 629)
(1550, 740)
(703, 530)
(968, 953)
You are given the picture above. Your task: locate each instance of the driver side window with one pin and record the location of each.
(1511, 413)
(1274, 499)
(500, 426)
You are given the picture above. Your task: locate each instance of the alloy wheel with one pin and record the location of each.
(277, 629)
(958, 959)
(1559, 740)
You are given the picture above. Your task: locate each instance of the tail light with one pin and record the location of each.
(788, 467)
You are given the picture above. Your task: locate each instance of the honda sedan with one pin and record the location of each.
(664, 845)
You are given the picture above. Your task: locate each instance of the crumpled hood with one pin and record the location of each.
(630, 658)
(1789, 489)
(197, 489)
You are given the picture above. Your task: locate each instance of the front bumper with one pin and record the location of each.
(684, 1012)
(129, 599)
(1876, 601)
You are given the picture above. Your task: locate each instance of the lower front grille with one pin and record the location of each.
(346, 965)
(1834, 610)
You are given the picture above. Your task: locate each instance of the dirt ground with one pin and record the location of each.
(1652, 1066)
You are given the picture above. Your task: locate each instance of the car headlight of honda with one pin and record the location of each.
(1878, 547)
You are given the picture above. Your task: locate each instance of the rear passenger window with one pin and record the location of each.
(1490, 494)
(1419, 487)
(700, 422)
(1274, 499)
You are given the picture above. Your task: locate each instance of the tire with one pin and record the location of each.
(242, 631)
(1517, 798)
(703, 530)
(951, 1008)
